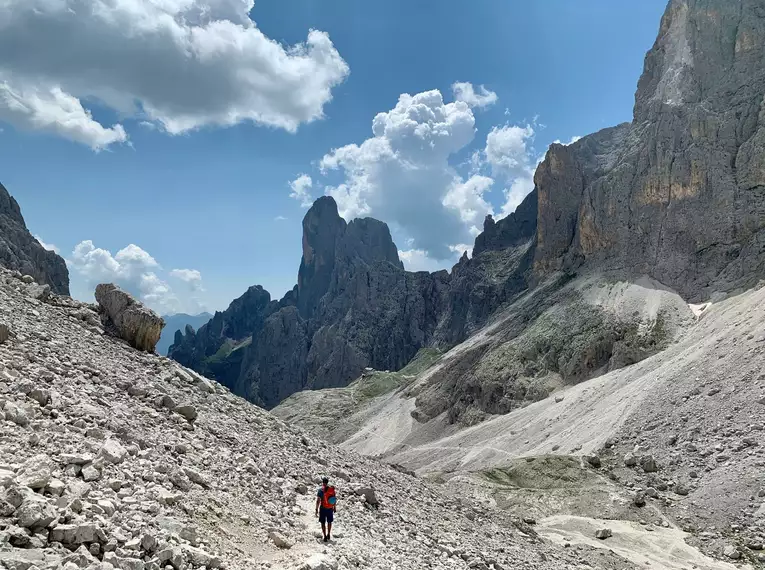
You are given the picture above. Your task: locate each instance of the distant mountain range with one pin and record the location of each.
(178, 322)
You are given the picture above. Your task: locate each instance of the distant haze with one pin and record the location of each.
(178, 322)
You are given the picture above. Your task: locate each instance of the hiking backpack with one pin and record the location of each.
(329, 499)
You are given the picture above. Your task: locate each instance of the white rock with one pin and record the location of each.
(280, 540)
(36, 472)
(320, 562)
(113, 451)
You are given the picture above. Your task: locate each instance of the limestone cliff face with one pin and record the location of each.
(20, 251)
(678, 194)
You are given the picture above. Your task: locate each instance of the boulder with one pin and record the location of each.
(280, 540)
(40, 395)
(74, 534)
(369, 495)
(128, 318)
(5, 333)
(201, 557)
(732, 552)
(603, 533)
(648, 463)
(6, 477)
(593, 460)
(90, 473)
(35, 512)
(113, 451)
(16, 414)
(187, 411)
(36, 472)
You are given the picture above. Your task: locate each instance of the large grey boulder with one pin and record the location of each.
(128, 318)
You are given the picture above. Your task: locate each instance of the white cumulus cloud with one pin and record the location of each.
(182, 64)
(467, 198)
(419, 260)
(192, 277)
(50, 109)
(301, 190)
(402, 173)
(136, 271)
(475, 98)
(510, 158)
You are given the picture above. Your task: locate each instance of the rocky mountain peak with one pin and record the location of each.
(20, 251)
(370, 240)
(702, 47)
(322, 226)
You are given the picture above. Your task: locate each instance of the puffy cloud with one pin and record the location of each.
(48, 246)
(507, 150)
(402, 174)
(192, 277)
(182, 64)
(135, 270)
(280, 218)
(418, 260)
(467, 93)
(50, 109)
(467, 198)
(509, 155)
(461, 248)
(301, 190)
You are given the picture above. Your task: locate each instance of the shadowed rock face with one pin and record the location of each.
(20, 251)
(678, 195)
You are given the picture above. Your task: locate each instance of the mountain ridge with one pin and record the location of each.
(176, 322)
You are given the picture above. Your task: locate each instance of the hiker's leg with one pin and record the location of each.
(323, 530)
(329, 529)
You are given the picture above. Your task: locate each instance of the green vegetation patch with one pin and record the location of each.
(545, 472)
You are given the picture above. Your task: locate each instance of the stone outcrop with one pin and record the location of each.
(20, 251)
(128, 318)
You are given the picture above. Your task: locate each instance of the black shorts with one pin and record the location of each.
(326, 515)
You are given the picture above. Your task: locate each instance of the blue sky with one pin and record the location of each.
(194, 169)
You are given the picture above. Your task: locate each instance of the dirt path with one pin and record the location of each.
(307, 541)
(659, 548)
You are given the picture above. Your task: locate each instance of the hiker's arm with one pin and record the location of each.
(318, 502)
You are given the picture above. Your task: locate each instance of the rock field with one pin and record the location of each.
(115, 458)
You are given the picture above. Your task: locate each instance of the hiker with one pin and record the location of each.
(326, 502)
